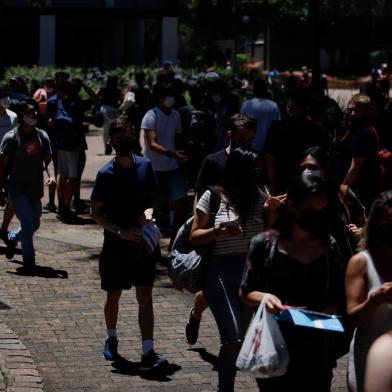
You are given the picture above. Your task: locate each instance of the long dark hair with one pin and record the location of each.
(239, 182)
(371, 238)
(301, 187)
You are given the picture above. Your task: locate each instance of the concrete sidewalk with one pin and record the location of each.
(58, 315)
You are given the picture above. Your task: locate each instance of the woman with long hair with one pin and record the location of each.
(298, 264)
(239, 218)
(369, 288)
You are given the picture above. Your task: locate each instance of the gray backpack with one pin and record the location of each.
(186, 262)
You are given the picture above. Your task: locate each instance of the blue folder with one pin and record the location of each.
(307, 318)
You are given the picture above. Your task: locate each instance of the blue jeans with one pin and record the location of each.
(28, 211)
(222, 284)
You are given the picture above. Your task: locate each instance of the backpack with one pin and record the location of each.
(65, 135)
(385, 158)
(185, 266)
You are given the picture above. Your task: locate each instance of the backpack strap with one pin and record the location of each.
(215, 201)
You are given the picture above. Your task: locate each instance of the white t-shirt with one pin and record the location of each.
(7, 122)
(265, 112)
(230, 245)
(166, 127)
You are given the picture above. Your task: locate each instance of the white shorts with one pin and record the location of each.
(68, 163)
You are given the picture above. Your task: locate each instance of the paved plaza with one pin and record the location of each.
(58, 316)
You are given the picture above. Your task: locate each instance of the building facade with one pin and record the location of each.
(88, 32)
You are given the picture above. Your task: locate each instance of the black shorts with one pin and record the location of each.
(123, 264)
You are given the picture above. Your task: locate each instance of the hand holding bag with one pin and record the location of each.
(264, 348)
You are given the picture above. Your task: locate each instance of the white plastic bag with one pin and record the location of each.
(264, 348)
(128, 100)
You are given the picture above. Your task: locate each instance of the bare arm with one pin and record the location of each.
(201, 234)
(254, 298)
(379, 365)
(360, 308)
(151, 140)
(354, 170)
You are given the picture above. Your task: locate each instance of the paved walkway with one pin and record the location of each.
(58, 316)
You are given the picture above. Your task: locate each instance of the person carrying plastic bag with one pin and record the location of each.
(298, 266)
(264, 348)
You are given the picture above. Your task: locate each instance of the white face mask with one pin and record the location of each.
(216, 98)
(308, 172)
(5, 102)
(30, 121)
(169, 102)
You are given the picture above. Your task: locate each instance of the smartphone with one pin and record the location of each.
(230, 224)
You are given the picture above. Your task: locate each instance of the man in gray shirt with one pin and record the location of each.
(24, 152)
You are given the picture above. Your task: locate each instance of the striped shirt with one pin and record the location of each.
(233, 245)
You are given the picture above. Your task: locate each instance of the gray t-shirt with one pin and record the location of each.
(26, 152)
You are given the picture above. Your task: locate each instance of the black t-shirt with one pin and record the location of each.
(287, 141)
(211, 171)
(312, 285)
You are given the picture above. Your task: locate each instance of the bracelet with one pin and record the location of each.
(374, 301)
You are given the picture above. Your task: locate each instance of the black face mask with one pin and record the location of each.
(124, 149)
(315, 222)
(384, 234)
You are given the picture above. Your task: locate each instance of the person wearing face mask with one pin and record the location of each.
(162, 127)
(24, 152)
(302, 269)
(122, 203)
(288, 139)
(369, 288)
(351, 214)
(8, 121)
(241, 131)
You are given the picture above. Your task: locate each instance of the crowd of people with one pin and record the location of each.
(290, 194)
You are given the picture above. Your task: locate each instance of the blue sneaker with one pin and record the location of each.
(110, 349)
(152, 360)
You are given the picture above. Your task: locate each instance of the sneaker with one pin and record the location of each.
(10, 249)
(4, 236)
(50, 207)
(152, 360)
(110, 349)
(192, 329)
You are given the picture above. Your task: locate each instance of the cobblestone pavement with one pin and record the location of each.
(59, 318)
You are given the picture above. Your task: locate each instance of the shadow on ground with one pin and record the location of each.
(128, 368)
(206, 356)
(38, 271)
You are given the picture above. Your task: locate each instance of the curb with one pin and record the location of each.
(18, 372)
